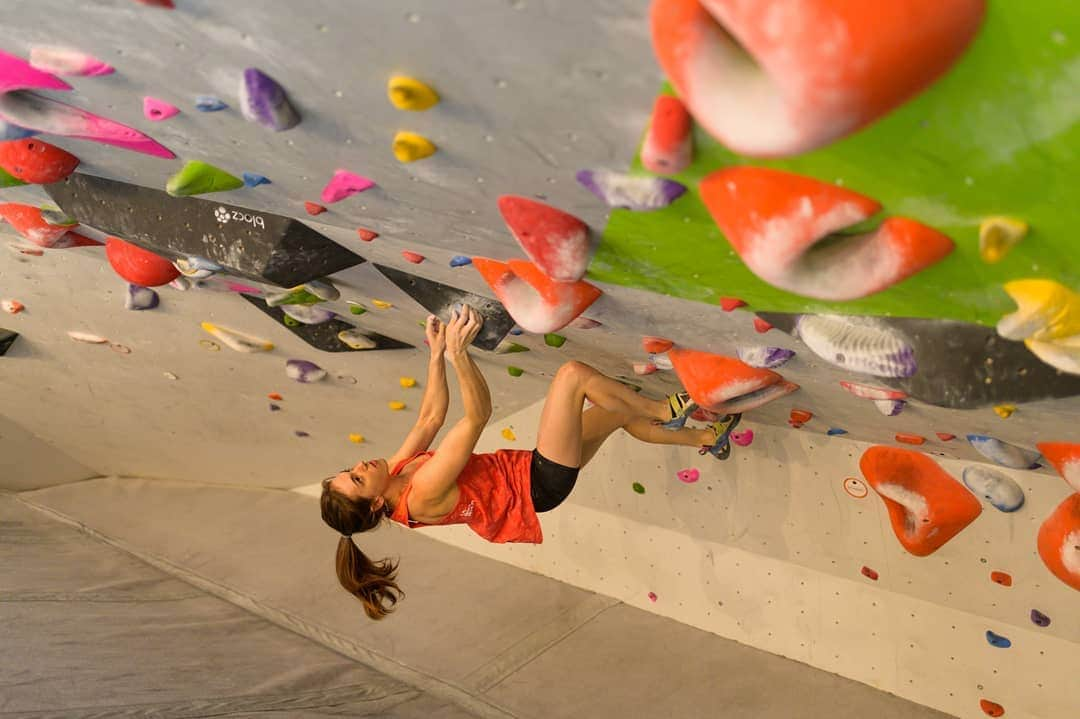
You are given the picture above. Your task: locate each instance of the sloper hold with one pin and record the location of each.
(65, 61)
(669, 145)
(439, 299)
(997, 488)
(725, 385)
(1003, 453)
(198, 178)
(775, 84)
(304, 371)
(926, 506)
(264, 102)
(308, 314)
(556, 241)
(36, 162)
(1059, 541)
(1065, 458)
(767, 357)
(411, 146)
(141, 298)
(7, 338)
(1047, 319)
(327, 336)
(778, 222)
(631, 192)
(408, 93)
(239, 341)
(860, 344)
(156, 110)
(138, 266)
(259, 246)
(344, 184)
(890, 407)
(865, 391)
(28, 221)
(535, 301)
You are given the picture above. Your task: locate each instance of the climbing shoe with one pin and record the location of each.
(721, 430)
(681, 408)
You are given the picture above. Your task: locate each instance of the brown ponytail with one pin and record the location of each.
(370, 582)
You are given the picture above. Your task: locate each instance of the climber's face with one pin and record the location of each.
(367, 479)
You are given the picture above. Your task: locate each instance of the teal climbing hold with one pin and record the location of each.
(198, 178)
(553, 340)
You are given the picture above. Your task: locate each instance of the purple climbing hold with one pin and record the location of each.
(460, 261)
(304, 371)
(301, 433)
(209, 103)
(1039, 618)
(890, 407)
(765, 357)
(263, 101)
(253, 179)
(141, 298)
(639, 193)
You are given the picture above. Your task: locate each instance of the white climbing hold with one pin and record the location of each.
(237, 341)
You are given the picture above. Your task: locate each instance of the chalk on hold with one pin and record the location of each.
(644, 368)
(557, 242)
(264, 102)
(507, 347)
(197, 268)
(729, 304)
(508, 434)
(835, 431)
(237, 341)
(1004, 410)
(767, 357)
(1059, 541)
(553, 340)
(638, 487)
(743, 437)
(997, 640)
(30, 223)
(514, 371)
(65, 61)
(689, 476)
(460, 261)
(1065, 458)
(1002, 578)
(12, 307)
(945, 436)
(254, 179)
(991, 708)
(368, 235)
(655, 345)
(926, 506)
(408, 93)
(308, 314)
(396, 405)
(890, 407)
(998, 235)
(356, 438)
(724, 384)
(156, 110)
(536, 302)
(87, 337)
(869, 573)
(908, 438)
(198, 178)
(1047, 319)
(407, 382)
(304, 371)
(139, 266)
(314, 208)
(344, 184)
(866, 391)
(859, 344)
(668, 146)
(800, 417)
(140, 298)
(662, 360)
(1039, 619)
(357, 340)
(761, 326)
(410, 146)
(36, 162)
(209, 103)
(1000, 490)
(1003, 453)
(413, 257)
(631, 192)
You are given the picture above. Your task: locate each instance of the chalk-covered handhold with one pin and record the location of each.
(197, 268)
(767, 357)
(36, 162)
(1047, 319)
(859, 344)
(662, 361)
(725, 385)
(304, 371)
(87, 337)
(65, 61)
(631, 192)
(198, 178)
(408, 93)
(556, 241)
(357, 340)
(669, 145)
(997, 488)
(1003, 453)
(865, 391)
(535, 301)
(1059, 541)
(308, 314)
(411, 146)
(12, 307)
(998, 235)
(507, 347)
(141, 298)
(263, 101)
(139, 266)
(209, 103)
(254, 179)
(782, 225)
(1065, 458)
(156, 110)
(890, 407)
(643, 368)
(30, 223)
(344, 184)
(237, 341)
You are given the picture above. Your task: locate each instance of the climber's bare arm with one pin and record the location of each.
(436, 399)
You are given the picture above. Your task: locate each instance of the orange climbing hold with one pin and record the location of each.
(991, 708)
(655, 345)
(799, 417)
(535, 301)
(139, 266)
(275, 396)
(927, 507)
(314, 208)
(910, 438)
(668, 146)
(1059, 541)
(365, 234)
(1002, 578)
(28, 222)
(945, 436)
(761, 326)
(413, 257)
(731, 303)
(36, 162)
(556, 241)
(726, 385)
(1065, 458)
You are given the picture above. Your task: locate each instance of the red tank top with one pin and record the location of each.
(495, 499)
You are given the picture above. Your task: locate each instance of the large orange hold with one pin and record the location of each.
(1059, 541)
(726, 385)
(535, 301)
(556, 241)
(28, 222)
(927, 507)
(1065, 457)
(36, 162)
(139, 266)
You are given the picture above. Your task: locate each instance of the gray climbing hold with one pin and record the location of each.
(141, 298)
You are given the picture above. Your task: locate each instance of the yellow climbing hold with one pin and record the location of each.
(382, 305)
(1005, 410)
(395, 405)
(356, 438)
(508, 433)
(1045, 310)
(408, 93)
(998, 235)
(410, 147)
(407, 382)
(238, 341)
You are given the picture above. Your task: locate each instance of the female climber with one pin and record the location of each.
(497, 494)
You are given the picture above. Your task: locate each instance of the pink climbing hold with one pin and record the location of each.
(314, 208)
(731, 303)
(743, 438)
(668, 146)
(557, 242)
(652, 596)
(344, 184)
(413, 257)
(18, 74)
(761, 326)
(365, 234)
(157, 110)
(535, 301)
(689, 476)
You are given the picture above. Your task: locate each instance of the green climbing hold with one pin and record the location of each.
(638, 487)
(57, 218)
(506, 347)
(515, 371)
(295, 296)
(553, 340)
(9, 180)
(289, 321)
(198, 178)
(357, 309)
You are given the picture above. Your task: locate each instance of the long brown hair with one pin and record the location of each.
(370, 582)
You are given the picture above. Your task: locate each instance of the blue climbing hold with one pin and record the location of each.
(833, 431)
(9, 131)
(460, 261)
(996, 640)
(253, 179)
(209, 103)
(517, 331)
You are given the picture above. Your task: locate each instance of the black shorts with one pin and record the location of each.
(551, 482)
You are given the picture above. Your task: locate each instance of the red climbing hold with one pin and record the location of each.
(799, 417)
(761, 326)
(910, 438)
(945, 436)
(869, 573)
(139, 266)
(731, 303)
(1002, 578)
(668, 146)
(557, 242)
(314, 208)
(28, 222)
(167, 4)
(927, 507)
(656, 345)
(1065, 457)
(36, 162)
(535, 301)
(365, 234)
(726, 385)
(413, 257)
(991, 708)
(275, 396)
(1059, 541)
